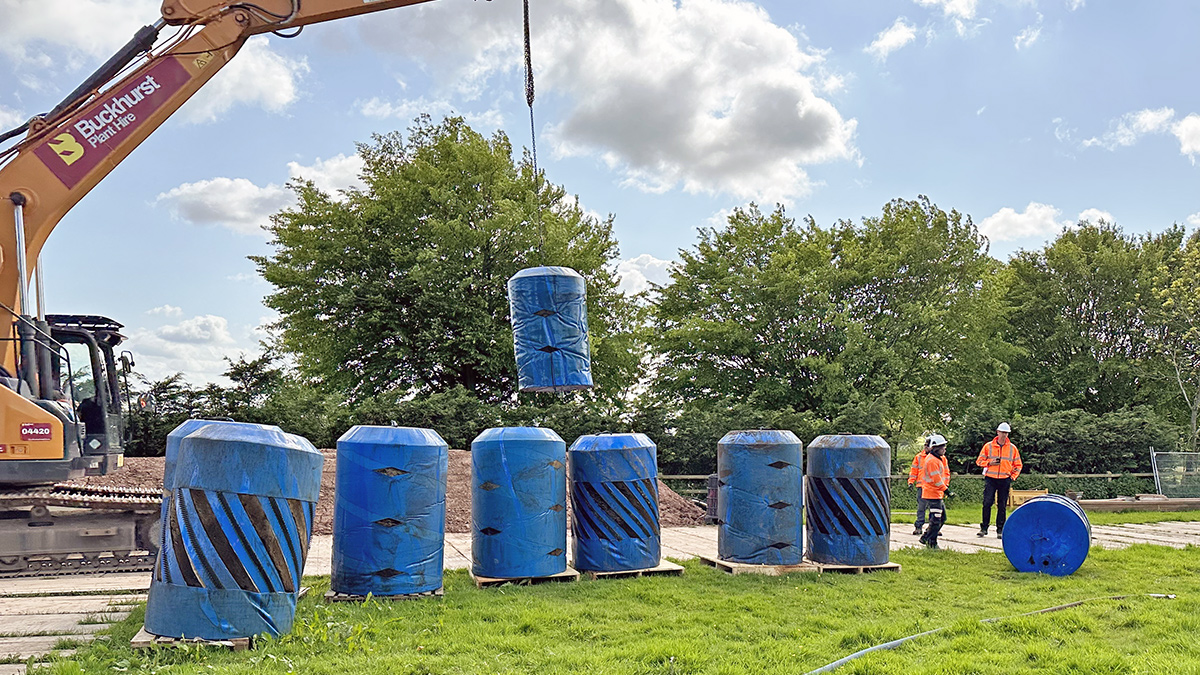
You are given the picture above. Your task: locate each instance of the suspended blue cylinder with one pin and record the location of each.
(237, 533)
(614, 500)
(1049, 534)
(760, 504)
(848, 506)
(518, 503)
(548, 306)
(389, 513)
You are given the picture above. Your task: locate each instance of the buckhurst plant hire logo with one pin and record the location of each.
(83, 143)
(36, 431)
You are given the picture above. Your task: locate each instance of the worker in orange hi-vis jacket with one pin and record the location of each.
(1001, 462)
(934, 477)
(914, 473)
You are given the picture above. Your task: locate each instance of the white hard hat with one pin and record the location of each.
(1004, 427)
(937, 439)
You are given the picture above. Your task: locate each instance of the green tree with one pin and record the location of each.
(893, 322)
(1175, 330)
(1079, 316)
(923, 304)
(748, 314)
(402, 287)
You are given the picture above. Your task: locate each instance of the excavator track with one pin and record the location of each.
(84, 497)
(138, 502)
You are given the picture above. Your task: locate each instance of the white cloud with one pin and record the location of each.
(196, 347)
(245, 207)
(1188, 133)
(833, 84)
(1008, 225)
(638, 273)
(890, 39)
(706, 95)
(1073, 5)
(1194, 219)
(234, 203)
(340, 172)
(69, 32)
(1094, 216)
(962, 9)
(1029, 35)
(10, 118)
(408, 109)
(257, 76)
(1128, 128)
(166, 310)
(206, 329)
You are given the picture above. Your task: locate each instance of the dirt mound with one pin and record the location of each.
(146, 472)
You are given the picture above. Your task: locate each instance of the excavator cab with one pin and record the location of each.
(85, 371)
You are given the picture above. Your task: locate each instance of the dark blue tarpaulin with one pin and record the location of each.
(548, 307)
(614, 499)
(389, 516)
(518, 503)
(759, 498)
(238, 530)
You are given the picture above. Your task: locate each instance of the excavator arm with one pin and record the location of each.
(66, 153)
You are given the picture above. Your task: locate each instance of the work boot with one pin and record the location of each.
(917, 529)
(982, 532)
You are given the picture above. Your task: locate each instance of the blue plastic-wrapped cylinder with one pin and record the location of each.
(614, 500)
(1049, 534)
(242, 503)
(173, 439)
(760, 504)
(548, 307)
(848, 500)
(389, 513)
(518, 503)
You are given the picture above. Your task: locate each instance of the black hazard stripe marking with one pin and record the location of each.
(827, 500)
(648, 512)
(584, 525)
(287, 537)
(301, 519)
(181, 557)
(190, 532)
(266, 534)
(245, 541)
(216, 536)
(870, 512)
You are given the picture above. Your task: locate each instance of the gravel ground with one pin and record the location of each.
(146, 472)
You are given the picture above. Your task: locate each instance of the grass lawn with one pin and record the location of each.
(708, 622)
(971, 515)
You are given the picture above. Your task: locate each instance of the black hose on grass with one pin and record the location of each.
(896, 643)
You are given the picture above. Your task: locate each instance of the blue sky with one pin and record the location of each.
(1027, 116)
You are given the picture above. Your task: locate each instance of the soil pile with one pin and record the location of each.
(147, 472)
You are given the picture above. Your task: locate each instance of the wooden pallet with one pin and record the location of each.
(666, 568)
(857, 569)
(146, 640)
(333, 596)
(1019, 497)
(768, 570)
(486, 582)
(806, 566)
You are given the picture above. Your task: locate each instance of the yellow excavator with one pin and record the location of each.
(60, 404)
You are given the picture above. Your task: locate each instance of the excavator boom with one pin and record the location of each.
(52, 426)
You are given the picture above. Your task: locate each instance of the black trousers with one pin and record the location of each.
(995, 490)
(922, 507)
